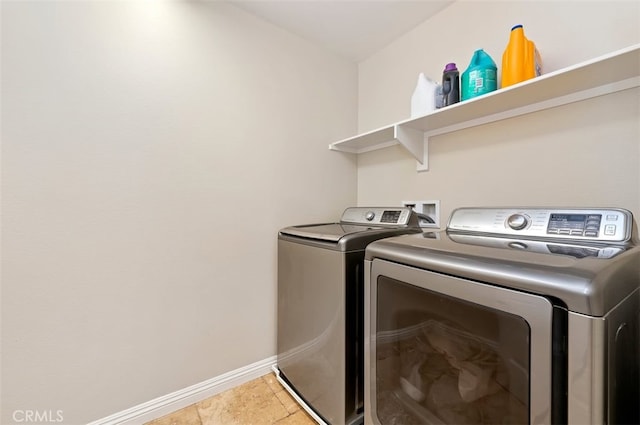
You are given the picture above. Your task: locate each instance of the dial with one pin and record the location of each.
(518, 221)
(369, 215)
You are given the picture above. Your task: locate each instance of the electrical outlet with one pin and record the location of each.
(429, 208)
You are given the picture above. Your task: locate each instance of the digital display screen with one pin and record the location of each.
(390, 217)
(568, 217)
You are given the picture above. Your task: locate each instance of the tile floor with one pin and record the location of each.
(262, 401)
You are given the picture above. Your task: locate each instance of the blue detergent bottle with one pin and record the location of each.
(480, 77)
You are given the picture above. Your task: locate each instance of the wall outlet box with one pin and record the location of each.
(429, 208)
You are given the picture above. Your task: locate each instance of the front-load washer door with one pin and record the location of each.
(446, 350)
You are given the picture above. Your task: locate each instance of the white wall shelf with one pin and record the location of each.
(606, 74)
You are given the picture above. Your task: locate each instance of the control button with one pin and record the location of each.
(591, 233)
(565, 232)
(552, 231)
(610, 229)
(369, 215)
(517, 221)
(612, 217)
(576, 232)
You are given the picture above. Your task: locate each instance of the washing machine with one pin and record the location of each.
(320, 358)
(510, 315)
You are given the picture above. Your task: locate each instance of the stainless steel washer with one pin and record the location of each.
(320, 309)
(512, 315)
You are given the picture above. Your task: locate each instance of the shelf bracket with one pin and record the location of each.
(416, 142)
(424, 165)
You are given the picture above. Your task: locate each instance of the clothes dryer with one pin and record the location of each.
(511, 315)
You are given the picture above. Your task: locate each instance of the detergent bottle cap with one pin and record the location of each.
(450, 67)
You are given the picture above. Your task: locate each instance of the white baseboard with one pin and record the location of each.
(164, 405)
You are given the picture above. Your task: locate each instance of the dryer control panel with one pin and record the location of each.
(593, 224)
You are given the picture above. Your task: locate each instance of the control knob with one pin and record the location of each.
(518, 221)
(369, 215)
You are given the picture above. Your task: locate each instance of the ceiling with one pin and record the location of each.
(354, 29)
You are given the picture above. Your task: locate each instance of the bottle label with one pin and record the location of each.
(481, 81)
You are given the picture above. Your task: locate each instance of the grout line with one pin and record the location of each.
(275, 395)
(198, 412)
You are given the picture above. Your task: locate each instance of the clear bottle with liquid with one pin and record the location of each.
(423, 99)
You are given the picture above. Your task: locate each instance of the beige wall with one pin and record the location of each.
(150, 152)
(584, 154)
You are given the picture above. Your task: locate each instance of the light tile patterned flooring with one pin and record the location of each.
(262, 401)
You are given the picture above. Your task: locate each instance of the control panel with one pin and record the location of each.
(399, 216)
(600, 225)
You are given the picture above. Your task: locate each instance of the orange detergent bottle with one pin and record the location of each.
(521, 59)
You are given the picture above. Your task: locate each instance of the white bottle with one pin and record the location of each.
(423, 100)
